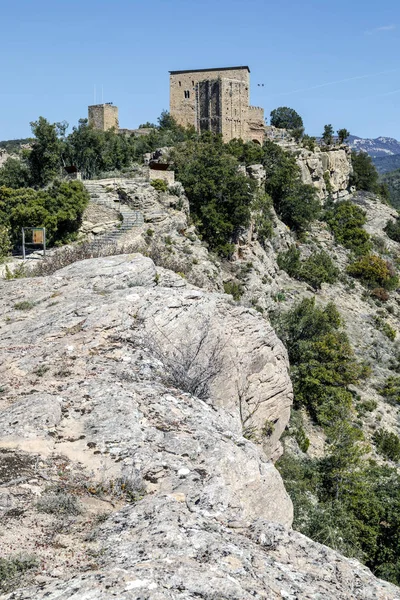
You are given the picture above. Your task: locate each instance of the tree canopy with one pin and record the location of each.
(284, 117)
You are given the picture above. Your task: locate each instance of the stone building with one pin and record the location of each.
(216, 100)
(103, 116)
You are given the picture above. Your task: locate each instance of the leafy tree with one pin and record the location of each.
(392, 182)
(391, 389)
(295, 202)
(365, 176)
(166, 121)
(45, 156)
(248, 153)
(343, 134)
(327, 136)
(14, 173)
(285, 118)
(59, 209)
(220, 196)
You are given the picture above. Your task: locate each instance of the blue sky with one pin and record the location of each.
(333, 61)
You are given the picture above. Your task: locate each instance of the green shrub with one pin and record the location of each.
(322, 360)
(160, 185)
(309, 142)
(219, 195)
(261, 209)
(346, 221)
(24, 305)
(12, 569)
(391, 389)
(318, 269)
(366, 406)
(393, 230)
(5, 243)
(374, 272)
(385, 328)
(295, 202)
(387, 444)
(234, 288)
(290, 262)
(315, 270)
(59, 503)
(359, 515)
(328, 184)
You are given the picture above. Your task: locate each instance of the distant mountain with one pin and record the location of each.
(385, 164)
(381, 146)
(385, 151)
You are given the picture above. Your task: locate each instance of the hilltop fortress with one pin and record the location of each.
(216, 100)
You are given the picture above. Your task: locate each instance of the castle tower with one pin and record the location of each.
(216, 100)
(103, 116)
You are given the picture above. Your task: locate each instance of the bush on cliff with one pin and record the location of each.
(295, 202)
(346, 221)
(220, 196)
(322, 361)
(315, 270)
(374, 272)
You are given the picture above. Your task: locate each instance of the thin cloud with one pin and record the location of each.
(380, 29)
(328, 83)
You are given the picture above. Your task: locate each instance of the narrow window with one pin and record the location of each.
(192, 83)
(187, 94)
(180, 83)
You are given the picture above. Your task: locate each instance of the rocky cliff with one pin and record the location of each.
(170, 500)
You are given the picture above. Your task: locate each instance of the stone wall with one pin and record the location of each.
(103, 116)
(255, 124)
(234, 107)
(216, 100)
(183, 90)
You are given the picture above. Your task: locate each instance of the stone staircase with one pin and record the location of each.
(130, 218)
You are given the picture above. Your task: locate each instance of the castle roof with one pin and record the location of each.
(214, 69)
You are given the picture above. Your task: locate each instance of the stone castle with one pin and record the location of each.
(216, 100)
(103, 116)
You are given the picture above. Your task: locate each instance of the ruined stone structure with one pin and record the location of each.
(103, 116)
(216, 100)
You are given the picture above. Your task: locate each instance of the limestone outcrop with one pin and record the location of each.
(88, 359)
(328, 170)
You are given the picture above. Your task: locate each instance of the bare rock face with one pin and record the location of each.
(118, 371)
(161, 549)
(326, 168)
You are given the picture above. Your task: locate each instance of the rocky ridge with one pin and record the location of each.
(88, 402)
